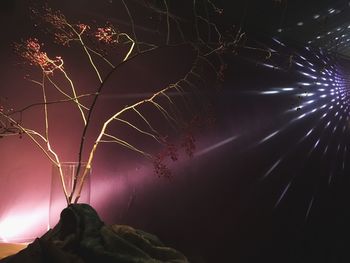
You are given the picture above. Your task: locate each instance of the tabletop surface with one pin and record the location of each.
(7, 249)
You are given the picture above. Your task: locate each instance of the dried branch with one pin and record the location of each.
(208, 46)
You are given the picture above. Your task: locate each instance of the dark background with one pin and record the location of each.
(229, 204)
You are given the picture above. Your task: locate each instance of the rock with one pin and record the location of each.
(81, 237)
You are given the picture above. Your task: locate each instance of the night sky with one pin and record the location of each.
(268, 180)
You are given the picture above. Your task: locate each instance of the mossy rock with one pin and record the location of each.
(82, 237)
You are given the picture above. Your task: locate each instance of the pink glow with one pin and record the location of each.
(23, 225)
(23, 222)
(121, 187)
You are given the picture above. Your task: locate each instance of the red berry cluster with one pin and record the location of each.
(160, 168)
(31, 51)
(107, 34)
(188, 144)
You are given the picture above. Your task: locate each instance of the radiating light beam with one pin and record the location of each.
(273, 167)
(309, 209)
(269, 137)
(216, 145)
(283, 194)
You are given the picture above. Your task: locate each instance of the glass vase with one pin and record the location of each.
(57, 198)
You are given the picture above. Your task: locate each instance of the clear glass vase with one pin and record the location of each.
(57, 199)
